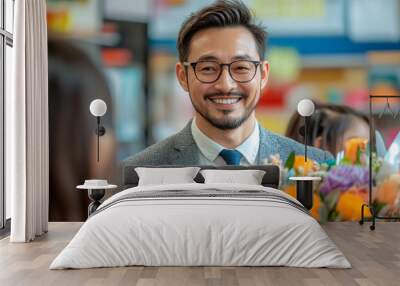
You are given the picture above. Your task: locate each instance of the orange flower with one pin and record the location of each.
(388, 190)
(300, 162)
(351, 146)
(361, 192)
(291, 190)
(316, 205)
(349, 206)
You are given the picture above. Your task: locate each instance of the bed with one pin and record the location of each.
(201, 224)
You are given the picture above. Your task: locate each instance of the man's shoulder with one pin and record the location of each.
(287, 145)
(156, 154)
(280, 140)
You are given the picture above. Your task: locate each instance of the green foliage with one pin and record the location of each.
(358, 156)
(323, 214)
(331, 199)
(345, 161)
(378, 207)
(333, 216)
(290, 161)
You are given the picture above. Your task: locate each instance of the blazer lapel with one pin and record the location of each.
(268, 146)
(186, 150)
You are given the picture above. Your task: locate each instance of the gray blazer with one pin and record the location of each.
(181, 149)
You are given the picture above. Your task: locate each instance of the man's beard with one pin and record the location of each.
(226, 123)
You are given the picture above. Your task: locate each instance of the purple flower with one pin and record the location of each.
(343, 178)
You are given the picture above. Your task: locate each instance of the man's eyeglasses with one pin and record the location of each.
(209, 71)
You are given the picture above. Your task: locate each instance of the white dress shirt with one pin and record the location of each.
(210, 149)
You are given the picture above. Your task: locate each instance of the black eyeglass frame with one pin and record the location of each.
(193, 65)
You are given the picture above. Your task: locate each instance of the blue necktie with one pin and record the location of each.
(231, 157)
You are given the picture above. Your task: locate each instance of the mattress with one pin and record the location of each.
(201, 225)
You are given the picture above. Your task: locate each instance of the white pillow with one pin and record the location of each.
(164, 176)
(248, 177)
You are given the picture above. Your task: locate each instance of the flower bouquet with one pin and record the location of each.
(344, 185)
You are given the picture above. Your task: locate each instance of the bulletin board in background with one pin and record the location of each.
(127, 10)
(74, 16)
(281, 17)
(305, 17)
(371, 21)
(167, 16)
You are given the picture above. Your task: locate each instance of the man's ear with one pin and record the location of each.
(181, 75)
(264, 73)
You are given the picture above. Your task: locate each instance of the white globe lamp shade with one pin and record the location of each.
(305, 107)
(98, 107)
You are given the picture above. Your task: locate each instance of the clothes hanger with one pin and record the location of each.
(397, 114)
(388, 108)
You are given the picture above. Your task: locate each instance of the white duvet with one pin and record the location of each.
(183, 231)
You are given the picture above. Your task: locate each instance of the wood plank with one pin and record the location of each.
(374, 255)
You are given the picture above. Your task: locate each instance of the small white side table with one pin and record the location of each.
(304, 190)
(95, 193)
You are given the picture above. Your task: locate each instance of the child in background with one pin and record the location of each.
(331, 126)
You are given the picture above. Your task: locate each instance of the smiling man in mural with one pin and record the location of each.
(222, 68)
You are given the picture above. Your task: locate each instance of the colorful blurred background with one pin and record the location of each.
(333, 51)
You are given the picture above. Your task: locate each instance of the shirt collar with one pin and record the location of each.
(211, 149)
(208, 147)
(249, 148)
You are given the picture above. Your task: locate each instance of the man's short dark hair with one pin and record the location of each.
(222, 13)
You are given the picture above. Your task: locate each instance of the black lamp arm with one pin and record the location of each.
(306, 123)
(100, 131)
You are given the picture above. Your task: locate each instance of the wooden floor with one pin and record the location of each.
(374, 255)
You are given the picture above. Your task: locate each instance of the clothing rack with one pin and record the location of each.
(372, 148)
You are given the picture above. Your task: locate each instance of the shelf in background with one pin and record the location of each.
(334, 61)
(93, 37)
